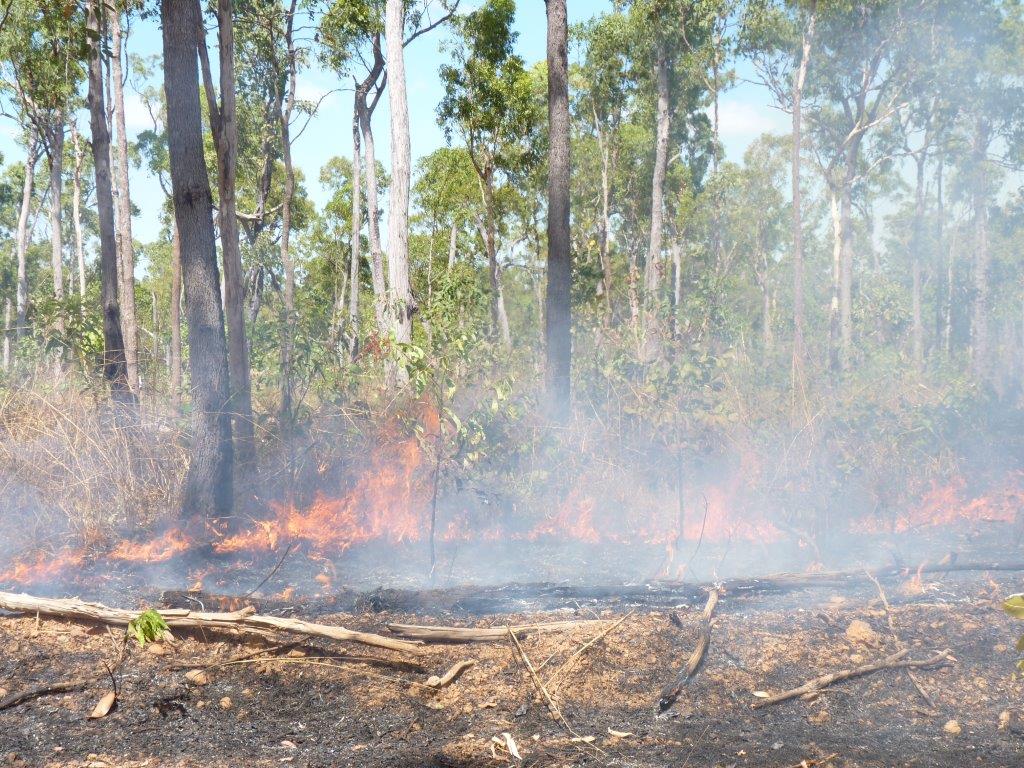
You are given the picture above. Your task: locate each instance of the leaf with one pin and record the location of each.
(583, 739)
(103, 706)
(761, 694)
(511, 744)
(1014, 606)
(619, 734)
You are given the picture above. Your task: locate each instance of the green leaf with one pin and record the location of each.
(148, 626)
(1014, 606)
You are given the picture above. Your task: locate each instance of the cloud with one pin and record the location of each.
(136, 116)
(743, 121)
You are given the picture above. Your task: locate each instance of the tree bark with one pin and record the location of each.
(21, 238)
(175, 352)
(377, 280)
(833, 310)
(126, 251)
(980, 310)
(56, 153)
(355, 247)
(287, 329)
(208, 483)
(224, 126)
(7, 334)
(115, 367)
(846, 276)
(558, 305)
(799, 341)
(402, 305)
(76, 210)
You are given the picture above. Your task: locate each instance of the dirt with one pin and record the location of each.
(299, 707)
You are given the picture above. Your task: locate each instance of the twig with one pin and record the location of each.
(572, 660)
(895, 661)
(43, 690)
(269, 576)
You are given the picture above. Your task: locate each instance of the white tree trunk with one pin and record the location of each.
(21, 238)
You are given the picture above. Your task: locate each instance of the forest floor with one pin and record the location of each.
(277, 708)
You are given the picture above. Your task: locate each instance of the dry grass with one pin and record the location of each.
(73, 470)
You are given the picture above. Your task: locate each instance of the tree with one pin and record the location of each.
(208, 484)
(489, 102)
(115, 367)
(558, 307)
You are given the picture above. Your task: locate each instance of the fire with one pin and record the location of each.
(158, 550)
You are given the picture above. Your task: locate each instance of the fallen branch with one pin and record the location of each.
(245, 620)
(671, 693)
(42, 690)
(480, 634)
(895, 661)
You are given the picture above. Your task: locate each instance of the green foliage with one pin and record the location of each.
(148, 627)
(1014, 605)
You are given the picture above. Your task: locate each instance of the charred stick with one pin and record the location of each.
(671, 693)
(895, 661)
(42, 690)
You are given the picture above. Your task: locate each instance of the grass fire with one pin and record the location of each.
(470, 383)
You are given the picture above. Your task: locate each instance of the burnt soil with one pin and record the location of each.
(297, 707)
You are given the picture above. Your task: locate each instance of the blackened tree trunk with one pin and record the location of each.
(126, 249)
(175, 352)
(208, 484)
(558, 305)
(224, 126)
(115, 368)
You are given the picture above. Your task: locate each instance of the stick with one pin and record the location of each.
(671, 693)
(246, 620)
(479, 634)
(42, 690)
(895, 661)
(269, 576)
(572, 660)
(451, 675)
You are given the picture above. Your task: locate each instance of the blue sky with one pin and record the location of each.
(744, 110)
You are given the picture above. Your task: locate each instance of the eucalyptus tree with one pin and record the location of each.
(489, 104)
(208, 484)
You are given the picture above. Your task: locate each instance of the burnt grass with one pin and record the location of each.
(279, 713)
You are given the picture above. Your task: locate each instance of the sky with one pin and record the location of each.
(744, 111)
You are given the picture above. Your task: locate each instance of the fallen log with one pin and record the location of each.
(245, 620)
(456, 635)
(895, 661)
(671, 693)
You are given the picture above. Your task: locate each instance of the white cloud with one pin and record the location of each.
(744, 121)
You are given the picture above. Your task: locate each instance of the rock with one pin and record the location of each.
(861, 632)
(952, 728)
(226, 703)
(197, 677)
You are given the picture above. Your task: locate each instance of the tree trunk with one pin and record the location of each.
(208, 485)
(652, 269)
(799, 342)
(21, 238)
(224, 127)
(115, 368)
(287, 329)
(402, 305)
(7, 335)
(558, 309)
(380, 291)
(56, 145)
(76, 211)
(355, 261)
(980, 313)
(453, 245)
(126, 252)
(918, 246)
(499, 317)
(175, 352)
(833, 309)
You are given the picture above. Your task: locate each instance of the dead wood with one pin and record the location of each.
(43, 690)
(670, 694)
(481, 634)
(245, 620)
(895, 661)
(451, 675)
